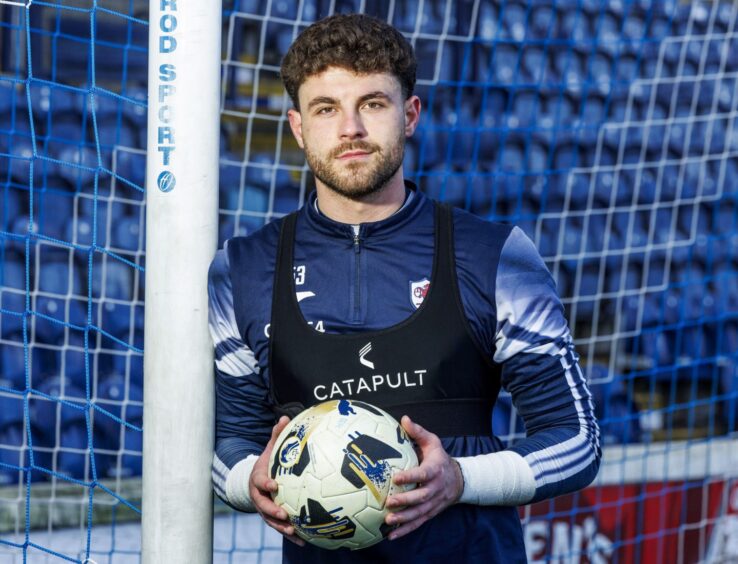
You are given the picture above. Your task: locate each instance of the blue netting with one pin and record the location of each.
(72, 112)
(607, 131)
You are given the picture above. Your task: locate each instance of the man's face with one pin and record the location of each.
(353, 128)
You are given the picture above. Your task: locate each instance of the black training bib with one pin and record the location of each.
(428, 367)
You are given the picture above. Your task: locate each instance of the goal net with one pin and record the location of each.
(607, 130)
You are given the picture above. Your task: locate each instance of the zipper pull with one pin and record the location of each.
(357, 241)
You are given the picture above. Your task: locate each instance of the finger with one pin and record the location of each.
(423, 511)
(267, 507)
(420, 474)
(285, 528)
(418, 433)
(263, 483)
(402, 530)
(277, 429)
(412, 497)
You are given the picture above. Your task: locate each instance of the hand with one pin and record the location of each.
(439, 479)
(261, 486)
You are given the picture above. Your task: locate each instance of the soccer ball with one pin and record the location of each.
(334, 465)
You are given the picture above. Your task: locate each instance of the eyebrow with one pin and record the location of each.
(328, 100)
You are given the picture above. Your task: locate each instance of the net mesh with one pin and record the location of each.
(72, 112)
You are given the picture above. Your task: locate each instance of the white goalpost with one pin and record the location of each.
(181, 237)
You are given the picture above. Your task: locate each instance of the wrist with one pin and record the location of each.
(461, 483)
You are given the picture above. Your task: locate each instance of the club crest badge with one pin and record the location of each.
(418, 291)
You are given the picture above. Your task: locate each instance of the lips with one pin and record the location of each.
(353, 155)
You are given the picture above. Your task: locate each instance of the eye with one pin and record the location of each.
(374, 105)
(325, 110)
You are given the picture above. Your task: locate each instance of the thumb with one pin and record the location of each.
(277, 429)
(415, 431)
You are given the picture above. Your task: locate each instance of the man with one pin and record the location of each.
(371, 278)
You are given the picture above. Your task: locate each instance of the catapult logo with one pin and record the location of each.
(352, 387)
(362, 354)
(166, 90)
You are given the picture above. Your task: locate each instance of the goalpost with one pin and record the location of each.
(182, 226)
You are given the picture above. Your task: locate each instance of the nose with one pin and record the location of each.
(352, 126)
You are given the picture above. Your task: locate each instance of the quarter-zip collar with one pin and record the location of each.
(327, 226)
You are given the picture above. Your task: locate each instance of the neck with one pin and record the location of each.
(374, 207)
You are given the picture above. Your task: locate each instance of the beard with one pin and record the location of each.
(359, 180)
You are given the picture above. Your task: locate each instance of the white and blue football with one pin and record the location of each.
(334, 464)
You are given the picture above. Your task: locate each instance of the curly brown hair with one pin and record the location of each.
(356, 42)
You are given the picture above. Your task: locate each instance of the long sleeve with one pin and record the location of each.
(542, 374)
(540, 369)
(243, 418)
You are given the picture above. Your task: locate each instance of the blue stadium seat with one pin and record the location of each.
(50, 323)
(261, 169)
(112, 280)
(725, 284)
(12, 453)
(130, 364)
(542, 22)
(449, 184)
(506, 423)
(80, 230)
(616, 412)
(82, 164)
(286, 199)
(113, 399)
(11, 405)
(73, 451)
(127, 234)
(526, 105)
(729, 387)
(229, 226)
(117, 132)
(504, 64)
(44, 412)
(574, 25)
(116, 319)
(534, 65)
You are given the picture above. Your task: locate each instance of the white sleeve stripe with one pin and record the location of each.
(220, 474)
(550, 464)
(241, 363)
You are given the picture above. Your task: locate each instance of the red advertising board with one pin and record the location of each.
(669, 522)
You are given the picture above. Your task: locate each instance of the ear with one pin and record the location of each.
(295, 119)
(412, 115)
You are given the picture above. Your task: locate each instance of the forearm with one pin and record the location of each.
(498, 478)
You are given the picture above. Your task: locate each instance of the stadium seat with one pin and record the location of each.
(82, 163)
(504, 62)
(12, 453)
(506, 423)
(112, 398)
(286, 199)
(45, 412)
(616, 413)
(128, 234)
(526, 105)
(449, 184)
(534, 66)
(49, 323)
(229, 226)
(11, 405)
(542, 21)
(725, 283)
(112, 279)
(114, 131)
